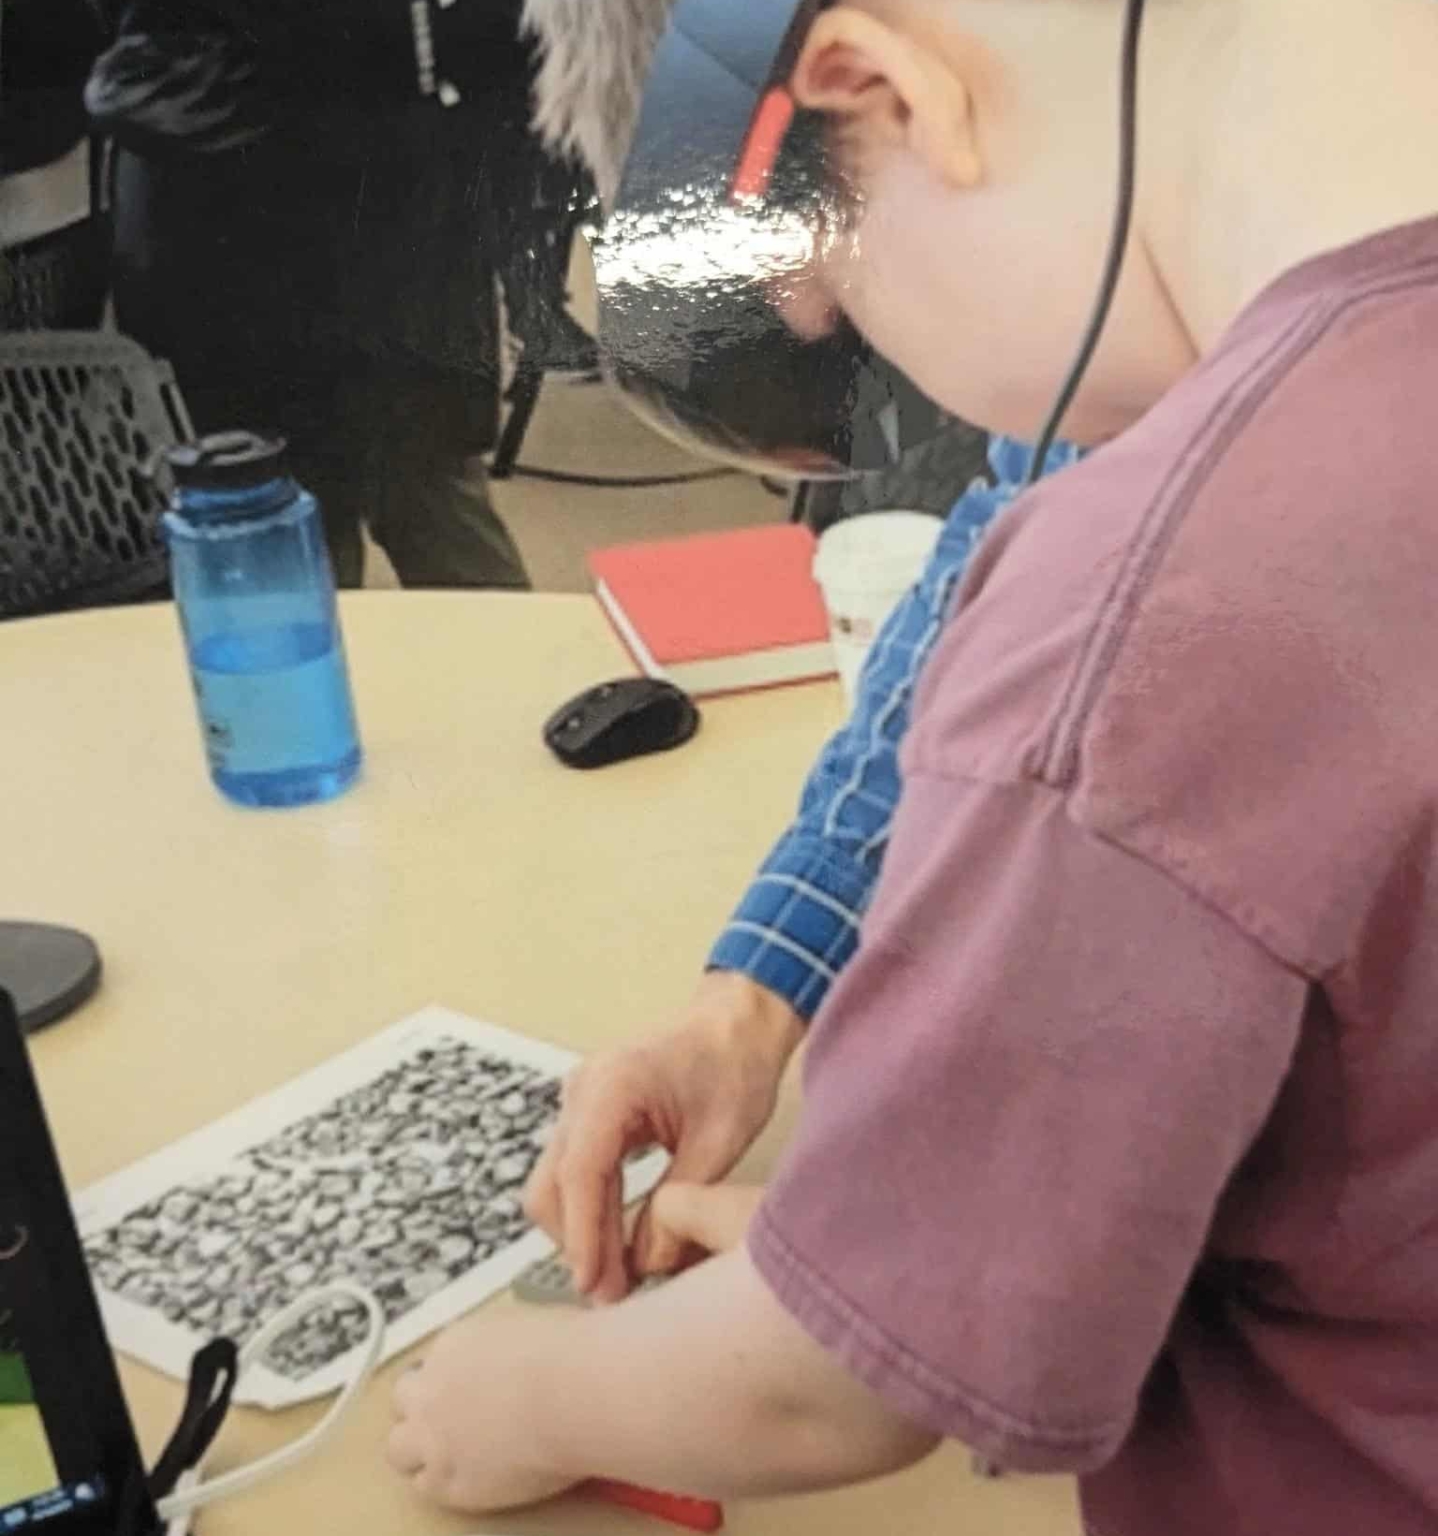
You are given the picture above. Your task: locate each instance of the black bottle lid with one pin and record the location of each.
(228, 461)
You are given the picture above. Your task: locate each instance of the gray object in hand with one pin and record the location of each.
(550, 1283)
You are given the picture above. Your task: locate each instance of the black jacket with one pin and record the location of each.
(299, 165)
(46, 50)
(209, 75)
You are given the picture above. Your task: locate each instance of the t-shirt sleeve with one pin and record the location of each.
(1024, 1098)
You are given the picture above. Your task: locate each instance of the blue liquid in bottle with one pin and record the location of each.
(277, 696)
(253, 582)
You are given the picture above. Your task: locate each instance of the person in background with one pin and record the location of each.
(1120, 1131)
(52, 245)
(311, 205)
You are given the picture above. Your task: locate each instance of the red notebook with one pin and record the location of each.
(719, 612)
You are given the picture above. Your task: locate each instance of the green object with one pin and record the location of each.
(15, 1388)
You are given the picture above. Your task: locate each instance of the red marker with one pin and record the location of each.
(690, 1514)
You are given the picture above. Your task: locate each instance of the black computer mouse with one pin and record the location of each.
(615, 721)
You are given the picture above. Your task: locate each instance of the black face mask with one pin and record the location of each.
(724, 192)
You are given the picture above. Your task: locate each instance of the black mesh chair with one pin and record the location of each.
(56, 280)
(83, 417)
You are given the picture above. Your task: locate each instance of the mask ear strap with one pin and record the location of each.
(213, 1374)
(190, 1492)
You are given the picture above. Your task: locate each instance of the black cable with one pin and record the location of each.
(1118, 243)
(618, 482)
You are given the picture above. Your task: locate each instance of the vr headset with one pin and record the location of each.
(725, 183)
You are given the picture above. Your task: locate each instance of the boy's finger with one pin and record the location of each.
(403, 1449)
(612, 1282)
(657, 1249)
(587, 1171)
(651, 1248)
(698, 1161)
(405, 1388)
(714, 1217)
(542, 1197)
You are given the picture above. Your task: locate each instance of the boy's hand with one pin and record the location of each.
(704, 1091)
(706, 1386)
(462, 1435)
(697, 1220)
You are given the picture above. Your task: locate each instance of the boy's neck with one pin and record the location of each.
(1277, 130)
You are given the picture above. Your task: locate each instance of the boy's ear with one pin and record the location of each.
(891, 84)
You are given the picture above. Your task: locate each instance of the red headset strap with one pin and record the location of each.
(762, 147)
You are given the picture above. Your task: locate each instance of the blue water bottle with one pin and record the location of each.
(256, 595)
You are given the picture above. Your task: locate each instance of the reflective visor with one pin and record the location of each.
(725, 190)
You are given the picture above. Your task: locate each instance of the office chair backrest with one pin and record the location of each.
(83, 417)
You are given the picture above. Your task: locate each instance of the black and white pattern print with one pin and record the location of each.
(404, 1185)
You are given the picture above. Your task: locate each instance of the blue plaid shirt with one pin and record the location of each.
(798, 923)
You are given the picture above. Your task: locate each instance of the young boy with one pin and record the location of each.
(1121, 1135)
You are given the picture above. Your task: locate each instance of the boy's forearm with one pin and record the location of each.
(708, 1387)
(750, 1012)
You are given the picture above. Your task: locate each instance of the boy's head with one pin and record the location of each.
(977, 141)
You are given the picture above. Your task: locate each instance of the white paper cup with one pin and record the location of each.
(864, 566)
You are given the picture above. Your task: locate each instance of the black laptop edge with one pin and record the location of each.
(101, 1486)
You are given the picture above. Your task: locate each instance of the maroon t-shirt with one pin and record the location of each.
(1120, 1152)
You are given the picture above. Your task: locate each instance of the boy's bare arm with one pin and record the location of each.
(726, 1396)
(705, 1387)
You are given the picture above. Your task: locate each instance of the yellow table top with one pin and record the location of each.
(468, 868)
